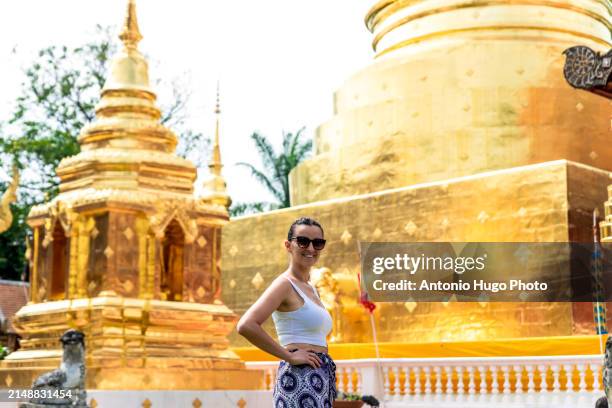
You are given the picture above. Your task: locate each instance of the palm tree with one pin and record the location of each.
(276, 168)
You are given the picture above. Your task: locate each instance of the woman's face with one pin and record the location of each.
(304, 256)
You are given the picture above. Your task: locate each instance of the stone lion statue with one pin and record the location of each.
(65, 386)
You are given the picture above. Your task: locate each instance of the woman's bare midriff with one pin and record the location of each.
(308, 347)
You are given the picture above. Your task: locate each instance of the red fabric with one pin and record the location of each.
(363, 297)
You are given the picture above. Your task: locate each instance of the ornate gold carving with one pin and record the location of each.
(8, 380)
(73, 261)
(257, 281)
(9, 196)
(42, 291)
(232, 284)
(128, 286)
(215, 265)
(377, 233)
(142, 228)
(84, 240)
(167, 211)
(201, 241)
(151, 245)
(483, 217)
(242, 403)
(94, 233)
(146, 403)
(445, 223)
(410, 306)
(201, 291)
(108, 252)
(128, 233)
(197, 403)
(329, 291)
(346, 237)
(93, 403)
(35, 271)
(233, 250)
(410, 227)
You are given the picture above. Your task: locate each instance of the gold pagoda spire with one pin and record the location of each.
(215, 163)
(130, 35)
(214, 184)
(126, 147)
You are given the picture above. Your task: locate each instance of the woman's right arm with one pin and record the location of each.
(249, 325)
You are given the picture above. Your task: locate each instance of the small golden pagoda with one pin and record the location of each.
(462, 129)
(127, 254)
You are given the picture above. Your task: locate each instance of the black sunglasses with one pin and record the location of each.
(304, 242)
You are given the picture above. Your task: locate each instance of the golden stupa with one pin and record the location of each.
(462, 129)
(127, 254)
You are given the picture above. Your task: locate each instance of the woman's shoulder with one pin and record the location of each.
(280, 284)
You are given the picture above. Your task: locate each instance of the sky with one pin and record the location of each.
(278, 61)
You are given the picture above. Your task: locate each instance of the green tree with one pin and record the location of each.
(276, 168)
(57, 98)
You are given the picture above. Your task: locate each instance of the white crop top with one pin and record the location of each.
(310, 324)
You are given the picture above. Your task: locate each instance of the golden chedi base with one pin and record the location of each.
(132, 344)
(546, 202)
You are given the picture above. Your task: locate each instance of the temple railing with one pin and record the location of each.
(403, 378)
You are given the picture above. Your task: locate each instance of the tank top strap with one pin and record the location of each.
(316, 292)
(299, 291)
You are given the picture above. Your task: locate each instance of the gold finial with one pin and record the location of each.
(130, 35)
(215, 163)
(214, 184)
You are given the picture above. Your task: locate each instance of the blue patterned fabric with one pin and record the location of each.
(301, 386)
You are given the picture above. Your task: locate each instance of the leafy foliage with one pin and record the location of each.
(276, 168)
(368, 399)
(3, 352)
(58, 96)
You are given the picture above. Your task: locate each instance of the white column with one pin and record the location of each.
(482, 370)
(427, 372)
(449, 379)
(397, 395)
(358, 374)
(471, 382)
(506, 372)
(518, 383)
(582, 374)
(412, 371)
(349, 379)
(596, 377)
(372, 379)
(340, 375)
(494, 383)
(543, 374)
(460, 384)
(387, 385)
(438, 384)
(556, 384)
(530, 374)
(569, 373)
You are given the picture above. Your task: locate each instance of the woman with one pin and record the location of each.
(306, 374)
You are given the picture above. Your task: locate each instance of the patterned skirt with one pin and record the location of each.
(301, 386)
